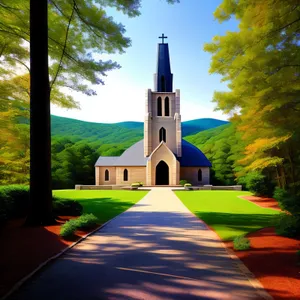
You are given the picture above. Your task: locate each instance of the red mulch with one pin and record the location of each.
(23, 249)
(272, 258)
(263, 201)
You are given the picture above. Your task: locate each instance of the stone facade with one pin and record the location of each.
(116, 175)
(135, 174)
(100, 175)
(162, 153)
(191, 175)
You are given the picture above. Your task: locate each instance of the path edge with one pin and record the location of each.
(54, 257)
(257, 285)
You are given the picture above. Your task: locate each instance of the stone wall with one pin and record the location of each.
(191, 175)
(163, 153)
(100, 175)
(135, 174)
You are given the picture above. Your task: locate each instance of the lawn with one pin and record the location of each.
(103, 204)
(227, 214)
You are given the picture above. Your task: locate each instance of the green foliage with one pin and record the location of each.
(66, 207)
(183, 182)
(258, 184)
(67, 231)
(14, 202)
(137, 184)
(86, 222)
(288, 225)
(287, 201)
(241, 243)
(260, 64)
(224, 148)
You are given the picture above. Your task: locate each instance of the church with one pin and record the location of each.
(162, 157)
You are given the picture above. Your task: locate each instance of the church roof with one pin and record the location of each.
(134, 156)
(192, 156)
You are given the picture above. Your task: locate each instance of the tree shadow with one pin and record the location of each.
(144, 255)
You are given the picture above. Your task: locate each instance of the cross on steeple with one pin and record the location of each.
(163, 37)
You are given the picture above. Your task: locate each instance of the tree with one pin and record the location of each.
(261, 64)
(40, 135)
(73, 65)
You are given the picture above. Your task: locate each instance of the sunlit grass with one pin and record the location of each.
(227, 214)
(103, 204)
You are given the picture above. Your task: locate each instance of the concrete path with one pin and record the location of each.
(155, 250)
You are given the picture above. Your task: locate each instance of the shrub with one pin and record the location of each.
(67, 231)
(287, 201)
(258, 184)
(183, 182)
(66, 207)
(14, 202)
(87, 221)
(187, 185)
(288, 225)
(241, 243)
(135, 185)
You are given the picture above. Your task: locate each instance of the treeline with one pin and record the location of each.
(73, 159)
(260, 62)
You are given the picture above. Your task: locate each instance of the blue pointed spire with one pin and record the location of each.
(163, 79)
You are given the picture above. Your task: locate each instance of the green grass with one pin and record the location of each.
(227, 214)
(103, 204)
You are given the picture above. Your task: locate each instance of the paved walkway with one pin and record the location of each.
(155, 250)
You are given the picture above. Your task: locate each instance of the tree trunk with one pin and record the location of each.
(40, 138)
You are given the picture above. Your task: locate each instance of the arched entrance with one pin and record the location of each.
(162, 174)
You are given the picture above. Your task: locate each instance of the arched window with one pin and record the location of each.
(125, 175)
(167, 107)
(159, 108)
(106, 175)
(162, 135)
(163, 83)
(199, 175)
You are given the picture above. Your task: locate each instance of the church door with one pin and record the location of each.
(162, 174)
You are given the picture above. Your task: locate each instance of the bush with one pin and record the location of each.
(241, 243)
(288, 225)
(287, 201)
(258, 184)
(14, 202)
(66, 207)
(67, 231)
(86, 221)
(187, 185)
(137, 184)
(183, 182)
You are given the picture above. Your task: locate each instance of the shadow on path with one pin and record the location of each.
(155, 250)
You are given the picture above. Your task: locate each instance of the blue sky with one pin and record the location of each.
(188, 25)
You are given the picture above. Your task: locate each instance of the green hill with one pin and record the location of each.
(223, 146)
(195, 126)
(118, 132)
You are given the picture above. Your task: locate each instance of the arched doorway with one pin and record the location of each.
(162, 174)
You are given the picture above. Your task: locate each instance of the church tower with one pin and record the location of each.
(162, 118)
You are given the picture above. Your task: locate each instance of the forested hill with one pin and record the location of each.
(119, 132)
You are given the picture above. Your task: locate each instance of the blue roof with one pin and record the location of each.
(134, 156)
(192, 156)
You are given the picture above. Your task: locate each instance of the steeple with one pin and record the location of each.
(163, 79)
